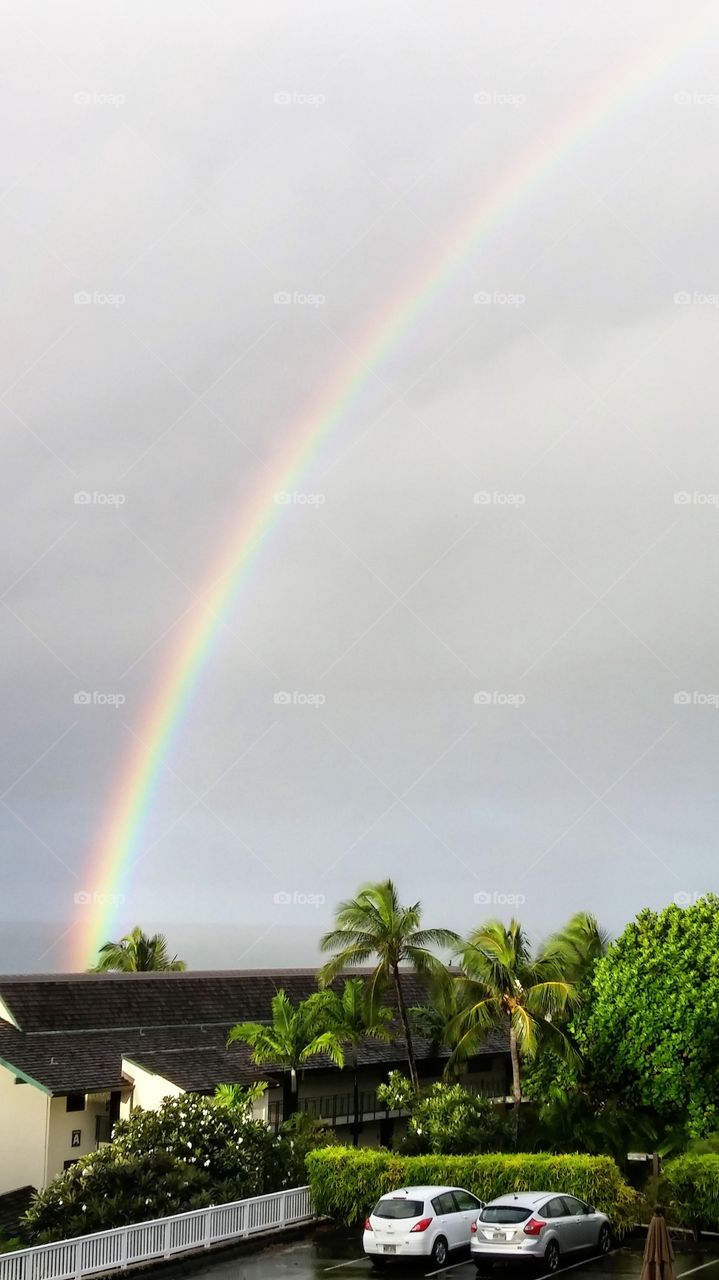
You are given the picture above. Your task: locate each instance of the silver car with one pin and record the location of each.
(537, 1226)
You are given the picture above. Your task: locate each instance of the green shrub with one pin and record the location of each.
(346, 1182)
(690, 1185)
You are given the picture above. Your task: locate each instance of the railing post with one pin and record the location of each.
(123, 1247)
(207, 1228)
(77, 1267)
(166, 1241)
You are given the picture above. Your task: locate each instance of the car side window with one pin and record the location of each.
(465, 1201)
(444, 1203)
(555, 1209)
(574, 1206)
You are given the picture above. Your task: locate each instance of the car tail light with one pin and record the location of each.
(368, 1225)
(473, 1228)
(533, 1227)
(421, 1225)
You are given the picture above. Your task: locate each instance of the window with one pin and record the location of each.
(555, 1209)
(574, 1206)
(75, 1102)
(398, 1207)
(444, 1203)
(465, 1201)
(504, 1213)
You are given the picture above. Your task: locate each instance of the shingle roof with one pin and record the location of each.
(75, 1029)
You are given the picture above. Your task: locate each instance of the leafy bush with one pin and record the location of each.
(346, 1182)
(691, 1186)
(446, 1120)
(111, 1189)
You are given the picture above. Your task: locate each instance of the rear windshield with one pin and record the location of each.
(398, 1208)
(504, 1213)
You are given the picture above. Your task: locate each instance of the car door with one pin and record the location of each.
(583, 1224)
(449, 1220)
(559, 1219)
(468, 1207)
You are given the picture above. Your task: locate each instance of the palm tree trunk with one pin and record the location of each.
(516, 1080)
(355, 1101)
(404, 1019)
(289, 1094)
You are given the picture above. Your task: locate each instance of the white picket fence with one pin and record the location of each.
(108, 1251)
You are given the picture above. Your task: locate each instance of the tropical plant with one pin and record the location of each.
(504, 985)
(239, 1097)
(375, 926)
(294, 1035)
(446, 1119)
(648, 1031)
(349, 1017)
(136, 952)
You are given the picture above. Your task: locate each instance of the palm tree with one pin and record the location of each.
(375, 925)
(287, 1041)
(137, 953)
(504, 985)
(350, 1017)
(581, 943)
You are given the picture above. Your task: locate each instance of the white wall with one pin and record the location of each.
(62, 1124)
(148, 1088)
(24, 1114)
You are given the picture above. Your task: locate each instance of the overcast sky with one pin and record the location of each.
(497, 722)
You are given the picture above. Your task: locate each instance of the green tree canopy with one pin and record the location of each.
(137, 952)
(649, 1032)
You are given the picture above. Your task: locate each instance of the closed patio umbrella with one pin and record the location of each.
(658, 1251)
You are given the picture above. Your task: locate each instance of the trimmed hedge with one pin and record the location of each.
(347, 1181)
(691, 1186)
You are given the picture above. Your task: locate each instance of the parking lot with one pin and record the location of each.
(337, 1255)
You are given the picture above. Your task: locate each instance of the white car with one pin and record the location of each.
(420, 1222)
(537, 1226)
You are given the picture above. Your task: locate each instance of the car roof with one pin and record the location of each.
(526, 1199)
(418, 1193)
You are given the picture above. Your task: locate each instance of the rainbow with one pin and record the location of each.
(121, 842)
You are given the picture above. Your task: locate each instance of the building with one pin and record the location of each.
(77, 1051)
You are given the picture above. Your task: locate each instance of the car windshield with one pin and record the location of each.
(398, 1207)
(503, 1213)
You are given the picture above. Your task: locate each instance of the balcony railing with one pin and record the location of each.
(338, 1108)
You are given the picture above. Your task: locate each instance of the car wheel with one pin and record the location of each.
(551, 1256)
(604, 1242)
(439, 1252)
